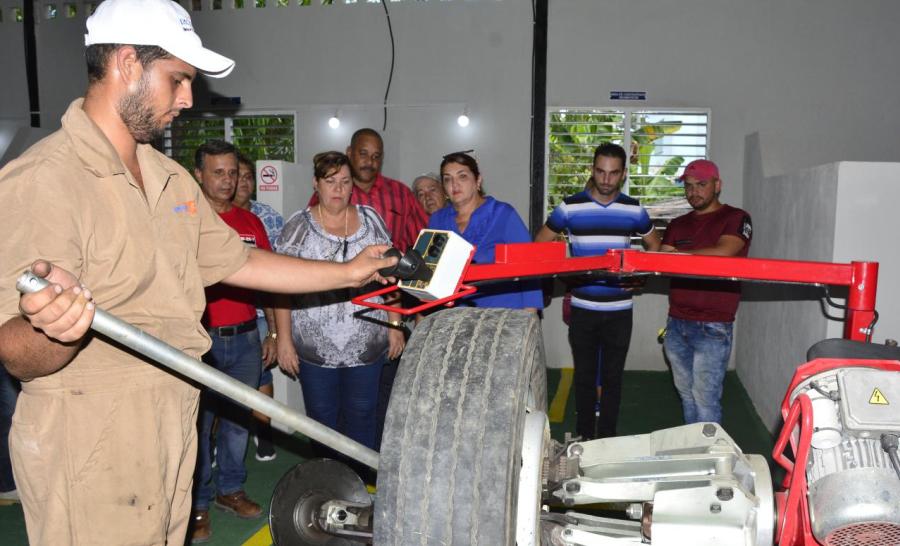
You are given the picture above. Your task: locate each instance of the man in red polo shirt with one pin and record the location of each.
(391, 199)
(230, 320)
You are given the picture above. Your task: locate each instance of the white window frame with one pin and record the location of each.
(627, 112)
(228, 123)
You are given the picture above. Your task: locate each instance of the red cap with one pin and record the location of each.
(701, 169)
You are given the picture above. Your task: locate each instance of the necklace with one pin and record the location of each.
(342, 245)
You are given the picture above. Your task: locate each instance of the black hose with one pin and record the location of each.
(889, 444)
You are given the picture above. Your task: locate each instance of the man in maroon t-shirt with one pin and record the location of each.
(230, 320)
(701, 312)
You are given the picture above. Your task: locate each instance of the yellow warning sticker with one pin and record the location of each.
(878, 398)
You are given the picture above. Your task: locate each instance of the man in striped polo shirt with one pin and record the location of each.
(597, 219)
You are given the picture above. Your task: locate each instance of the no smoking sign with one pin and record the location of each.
(268, 178)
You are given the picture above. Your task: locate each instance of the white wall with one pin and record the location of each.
(794, 218)
(314, 59)
(867, 194)
(13, 92)
(839, 212)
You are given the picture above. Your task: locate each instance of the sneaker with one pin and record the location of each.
(239, 504)
(200, 526)
(10, 497)
(265, 451)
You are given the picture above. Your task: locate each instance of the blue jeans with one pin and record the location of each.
(343, 399)
(9, 393)
(239, 357)
(698, 352)
(265, 374)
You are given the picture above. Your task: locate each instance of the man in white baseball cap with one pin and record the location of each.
(164, 24)
(104, 443)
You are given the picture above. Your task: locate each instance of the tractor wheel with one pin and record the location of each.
(451, 454)
(300, 494)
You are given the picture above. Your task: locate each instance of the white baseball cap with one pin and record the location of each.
(160, 23)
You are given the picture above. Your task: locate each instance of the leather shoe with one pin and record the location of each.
(238, 504)
(201, 530)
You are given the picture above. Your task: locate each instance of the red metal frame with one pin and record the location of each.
(793, 526)
(462, 291)
(514, 261)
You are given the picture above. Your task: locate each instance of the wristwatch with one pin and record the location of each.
(273, 335)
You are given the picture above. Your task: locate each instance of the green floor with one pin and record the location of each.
(649, 403)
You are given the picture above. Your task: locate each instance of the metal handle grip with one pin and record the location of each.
(170, 357)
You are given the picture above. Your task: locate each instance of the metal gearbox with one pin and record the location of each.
(683, 485)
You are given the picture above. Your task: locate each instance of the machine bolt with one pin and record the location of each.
(575, 450)
(341, 515)
(709, 430)
(635, 510)
(567, 533)
(715, 508)
(573, 488)
(890, 342)
(725, 493)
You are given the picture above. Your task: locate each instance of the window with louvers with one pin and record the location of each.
(659, 143)
(259, 136)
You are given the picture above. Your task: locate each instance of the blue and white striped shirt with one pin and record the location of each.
(593, 228)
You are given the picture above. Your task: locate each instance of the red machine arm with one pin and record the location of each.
(521, 260)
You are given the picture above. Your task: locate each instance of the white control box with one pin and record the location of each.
(447, 255)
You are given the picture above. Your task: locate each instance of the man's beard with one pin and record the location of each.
(702, 203)
(137, 114)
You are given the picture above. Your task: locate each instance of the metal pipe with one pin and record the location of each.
(170, 357)
(861, 301)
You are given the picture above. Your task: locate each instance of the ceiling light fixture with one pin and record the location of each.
(335, 121)
(463, 119)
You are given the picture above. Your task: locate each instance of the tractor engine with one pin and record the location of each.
(852, 471)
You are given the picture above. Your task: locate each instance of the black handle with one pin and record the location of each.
(409, 266)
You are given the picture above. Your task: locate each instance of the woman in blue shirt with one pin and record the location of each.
(484, 222)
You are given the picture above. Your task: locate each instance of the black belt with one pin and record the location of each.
(233, 330)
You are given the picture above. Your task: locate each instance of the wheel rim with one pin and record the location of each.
(300, 493)
(535, 440)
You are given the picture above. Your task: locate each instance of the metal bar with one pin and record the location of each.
(523, 260)
(540, 10)
(538, 266)
(362, 300)
(31, 61)
(170, 357)
(861, 301)
(534, 259)
(735, 268)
